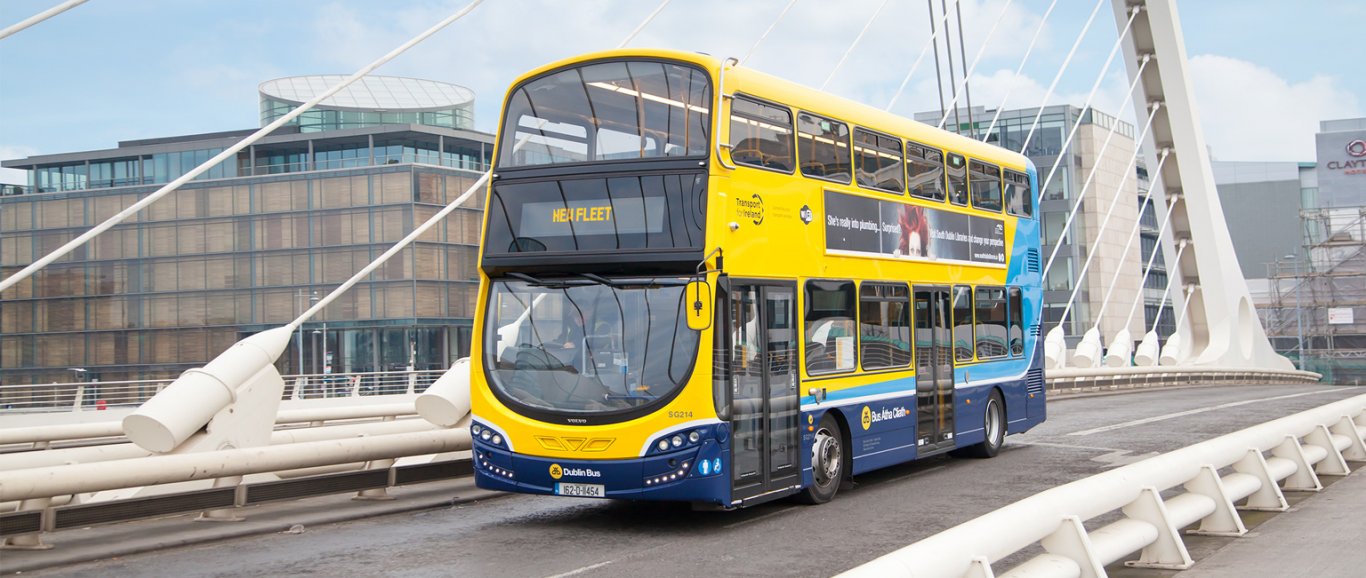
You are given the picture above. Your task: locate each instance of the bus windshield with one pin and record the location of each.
(609, 111)
(581, 347)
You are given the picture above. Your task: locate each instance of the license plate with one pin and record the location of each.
(582, 490)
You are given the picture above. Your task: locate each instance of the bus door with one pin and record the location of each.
(933, 369)
(764, 401)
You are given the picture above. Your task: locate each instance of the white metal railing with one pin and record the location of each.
(1251, 466)
(54, 397)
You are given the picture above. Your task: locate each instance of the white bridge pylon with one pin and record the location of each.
(1217, 326)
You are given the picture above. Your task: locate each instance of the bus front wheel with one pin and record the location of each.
(994, 428)
(827, 462)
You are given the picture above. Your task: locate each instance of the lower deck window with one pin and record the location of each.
(831, 343)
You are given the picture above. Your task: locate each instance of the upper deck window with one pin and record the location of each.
(925, 172)
(986, 186)
(824, 148)
(610, 111)
(878, 161)
(958, 179)
(1019, 200)
(761, 135)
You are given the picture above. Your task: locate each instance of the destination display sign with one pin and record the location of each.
(860, 225)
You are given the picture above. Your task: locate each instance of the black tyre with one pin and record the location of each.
(827, 462)
(994, 425)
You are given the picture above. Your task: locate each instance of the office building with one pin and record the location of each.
(251, 243)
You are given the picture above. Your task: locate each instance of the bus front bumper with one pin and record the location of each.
(696, 474)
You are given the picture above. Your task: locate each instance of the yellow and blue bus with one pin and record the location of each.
(702, 283)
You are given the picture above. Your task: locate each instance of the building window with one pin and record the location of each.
(830, 339)
(884, 325)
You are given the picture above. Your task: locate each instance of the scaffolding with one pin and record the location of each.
(1317, 308)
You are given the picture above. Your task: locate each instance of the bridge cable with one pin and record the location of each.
(643, 24)
(1090, 177)
(924, 50)
(981, 51)
(934, 36)
(857, 39)
(228, 153)
(771, 26)
(1171, 280)
(948, 56)
(1066, 62)
(1133, 233)
(1019, 71)
(1147, 268)
(1114, 202)
(39, 17)
(963, 57)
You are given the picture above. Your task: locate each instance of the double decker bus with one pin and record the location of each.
(703, 283)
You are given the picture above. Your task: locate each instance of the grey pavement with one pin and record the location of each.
(1322, 535)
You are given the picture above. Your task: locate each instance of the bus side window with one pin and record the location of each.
(962, 323)
(831, 342)
(958, 179)
(877, 161)
(1016, 327)
(761, 135)
(884, 325)
(925, 172)
(991, 322)
(824, 148)
(1019, 201)
(986, 186)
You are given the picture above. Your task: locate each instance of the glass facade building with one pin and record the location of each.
(370, 101)
(246, 247)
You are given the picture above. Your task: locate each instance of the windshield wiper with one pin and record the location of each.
(534, 282)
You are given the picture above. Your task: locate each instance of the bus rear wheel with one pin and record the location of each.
(994, 428)
(827, 462)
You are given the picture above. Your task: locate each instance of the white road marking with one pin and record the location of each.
(582, 570)
(1148, 420)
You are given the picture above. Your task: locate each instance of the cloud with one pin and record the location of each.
(10, 152)
(1251, 114)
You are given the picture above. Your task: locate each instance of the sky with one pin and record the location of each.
(1264, 72)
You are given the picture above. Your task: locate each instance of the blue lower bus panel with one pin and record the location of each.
(695, 474)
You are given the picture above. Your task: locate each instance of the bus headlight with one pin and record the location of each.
(678, 441)
(497, 439)
(663, 445)
(485, 435)
(694, 436)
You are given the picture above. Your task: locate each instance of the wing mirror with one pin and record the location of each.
(699, 304)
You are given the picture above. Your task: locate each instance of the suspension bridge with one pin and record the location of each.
(96, 469)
